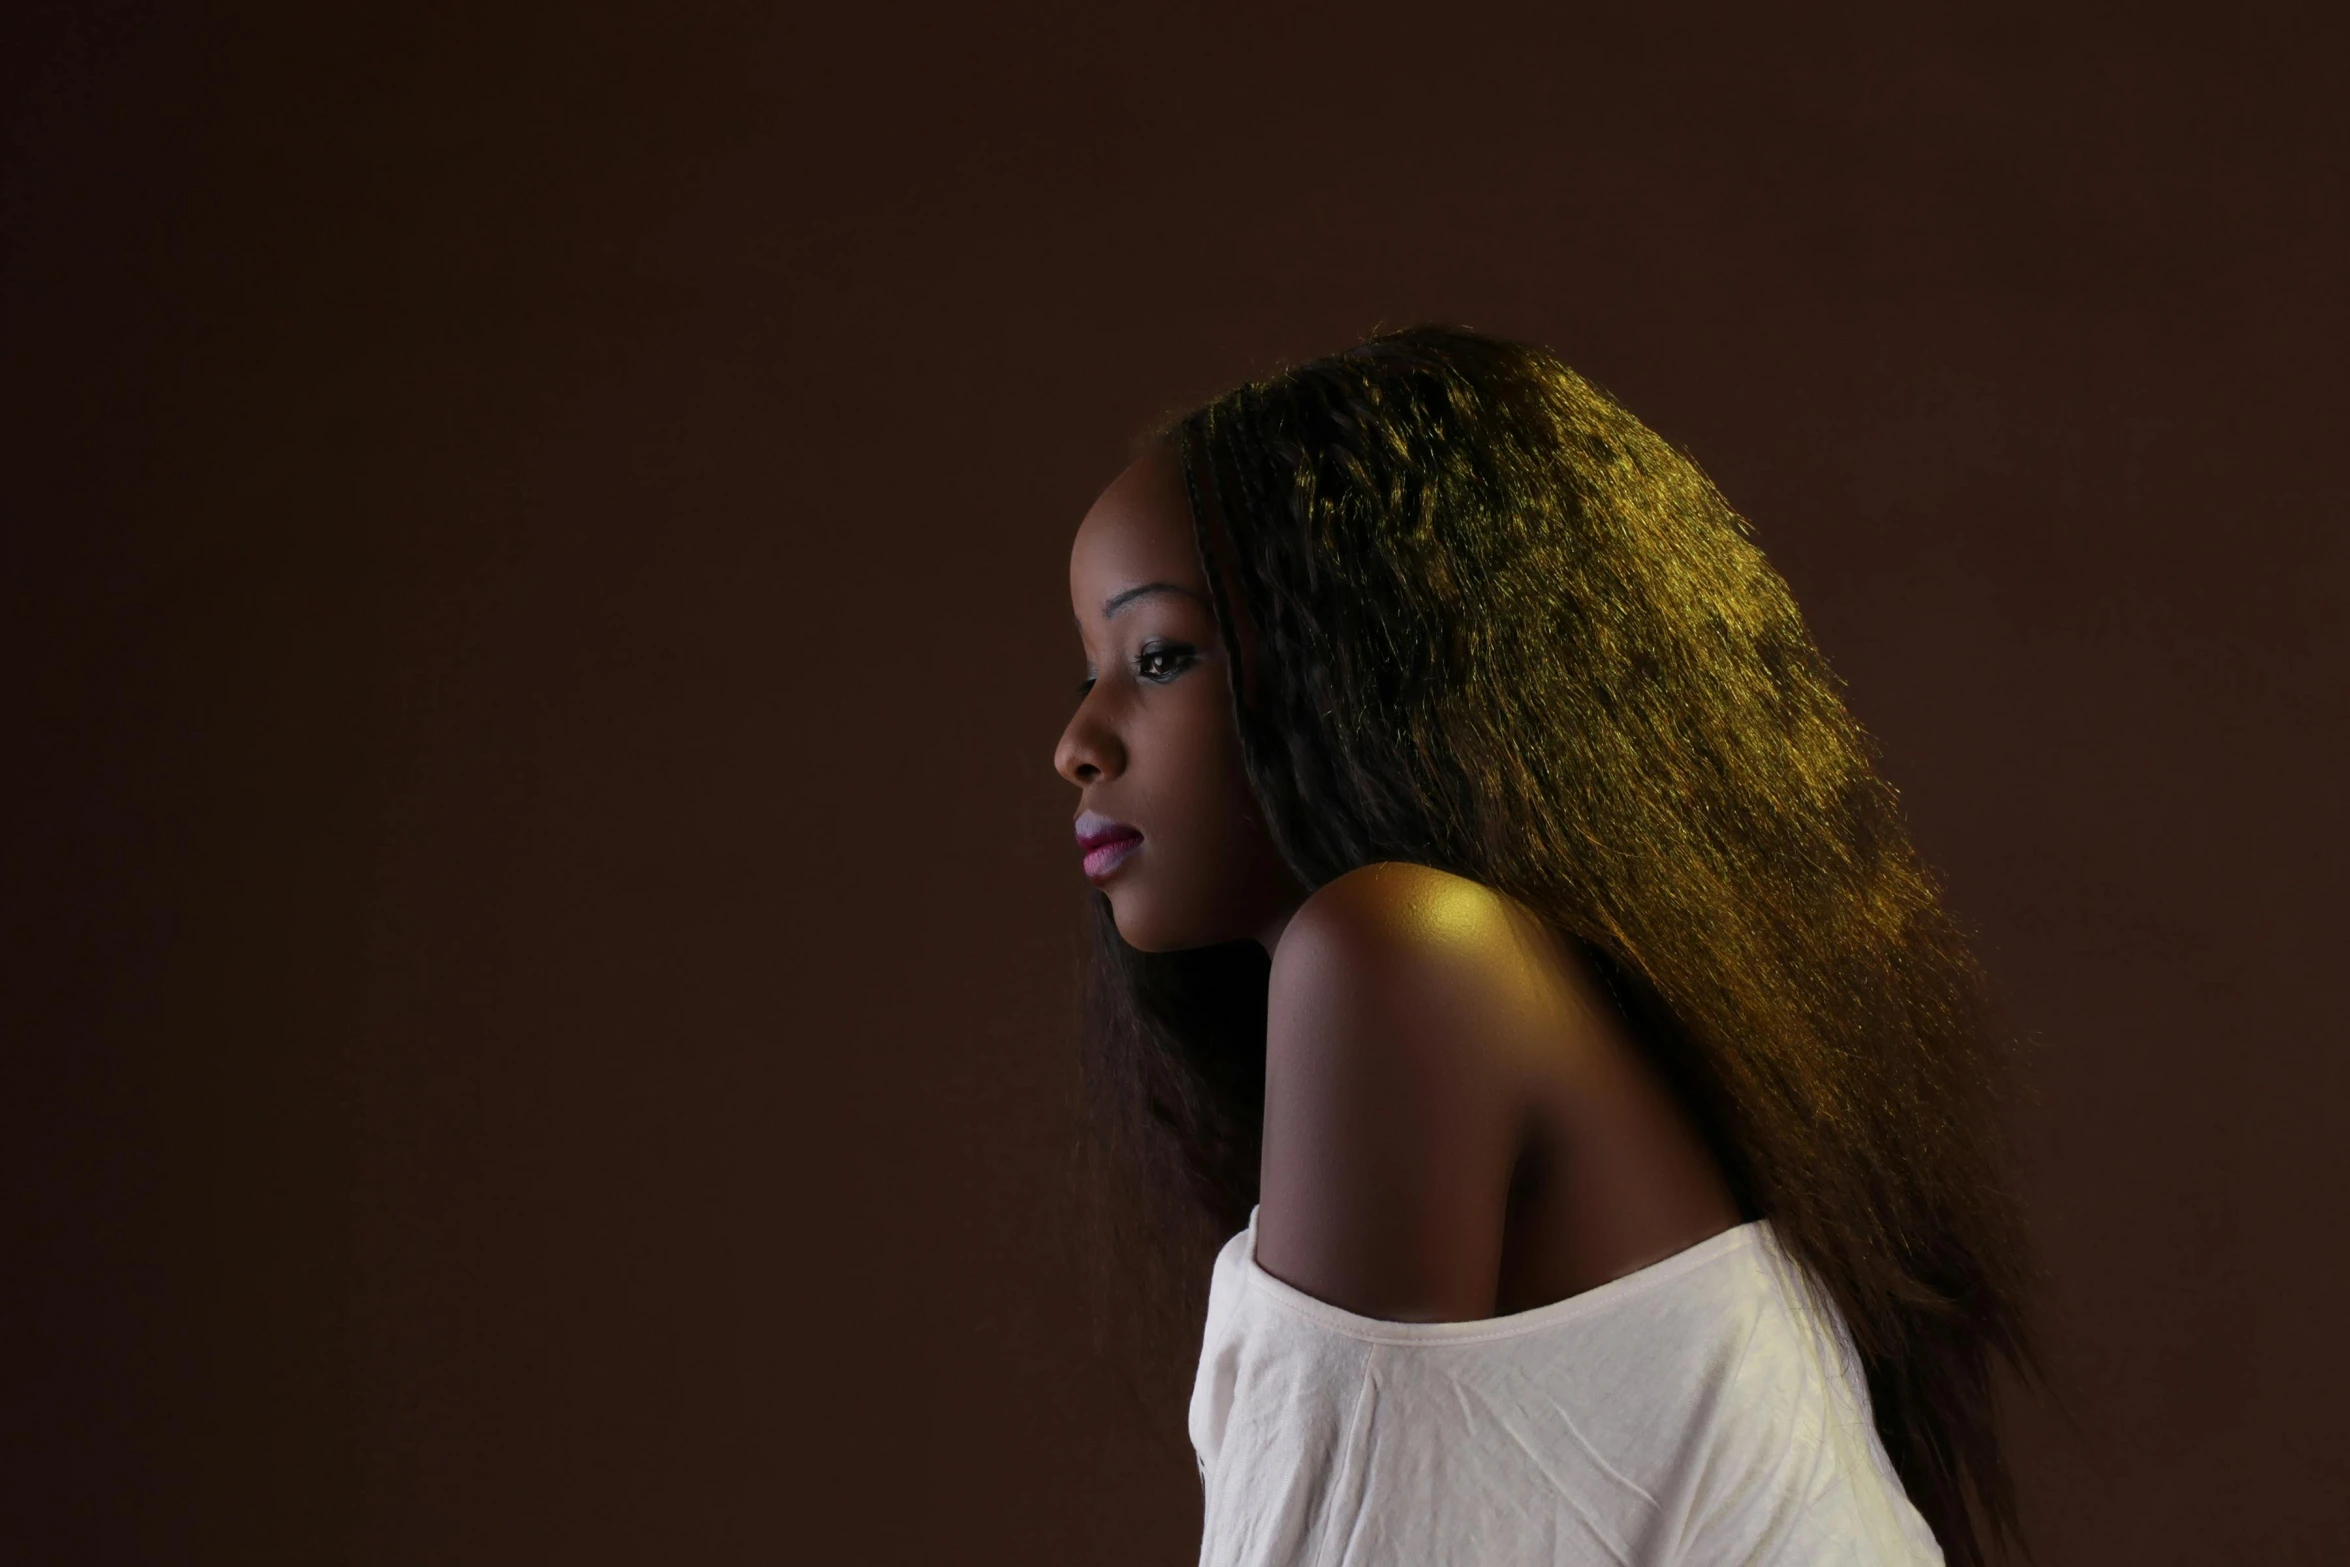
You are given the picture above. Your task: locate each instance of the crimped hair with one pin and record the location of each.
(1505, 630)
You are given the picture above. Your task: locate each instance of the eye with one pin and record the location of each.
(1163, 661)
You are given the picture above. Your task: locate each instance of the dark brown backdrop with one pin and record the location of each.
(535, 623)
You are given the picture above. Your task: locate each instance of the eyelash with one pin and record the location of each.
(1179, 656)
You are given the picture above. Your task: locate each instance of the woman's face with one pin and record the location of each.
(1166, 822)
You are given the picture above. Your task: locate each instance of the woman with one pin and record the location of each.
(1502, 927)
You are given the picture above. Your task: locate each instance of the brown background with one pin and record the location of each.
(539, 915)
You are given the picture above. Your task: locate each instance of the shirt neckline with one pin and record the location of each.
(1729, 1242)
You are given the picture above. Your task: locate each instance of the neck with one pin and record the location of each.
(1269, 937)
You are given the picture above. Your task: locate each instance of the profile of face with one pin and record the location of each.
(1169, 829)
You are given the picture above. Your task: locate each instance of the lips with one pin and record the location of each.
(1106, 844)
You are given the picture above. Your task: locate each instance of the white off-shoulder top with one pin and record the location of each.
(1701, 1411)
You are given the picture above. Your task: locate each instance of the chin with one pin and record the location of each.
(1141, 934)
(1132, 913)
(1149, 929)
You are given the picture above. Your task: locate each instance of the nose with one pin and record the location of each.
(1089, 750)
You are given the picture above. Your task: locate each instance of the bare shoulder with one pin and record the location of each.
(1405, 1009)
(1393, 928)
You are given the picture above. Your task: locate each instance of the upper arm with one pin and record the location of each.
(1395, 1099)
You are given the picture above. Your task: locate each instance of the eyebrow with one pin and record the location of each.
(1118, 601)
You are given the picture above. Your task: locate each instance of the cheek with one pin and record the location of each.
(1206, 775)
(1200, 821)
(1209, 814)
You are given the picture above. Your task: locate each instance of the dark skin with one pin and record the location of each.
(1458, 1124)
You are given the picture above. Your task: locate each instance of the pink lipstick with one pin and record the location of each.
(1106, 844)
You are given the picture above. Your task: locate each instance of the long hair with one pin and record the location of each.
(1503, 629)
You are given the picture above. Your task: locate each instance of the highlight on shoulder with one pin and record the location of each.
(1395, 927)
(1409, 1015)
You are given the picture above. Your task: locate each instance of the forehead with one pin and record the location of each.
(1138, 531)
